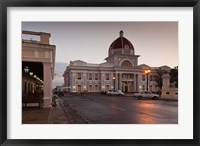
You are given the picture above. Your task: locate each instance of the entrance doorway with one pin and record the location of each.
(127, 86)
(107, 87)
(79, 88)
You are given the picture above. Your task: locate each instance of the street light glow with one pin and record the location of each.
(147, 71)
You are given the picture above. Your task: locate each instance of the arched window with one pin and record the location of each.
(126, 63)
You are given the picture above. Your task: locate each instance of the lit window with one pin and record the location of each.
(143, 87)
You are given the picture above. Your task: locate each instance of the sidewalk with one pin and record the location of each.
(56, 115)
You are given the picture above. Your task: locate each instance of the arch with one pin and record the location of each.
(126, 63)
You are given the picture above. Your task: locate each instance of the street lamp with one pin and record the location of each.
(26, 70)
(147, 72)
(31, 73)
(113, 82)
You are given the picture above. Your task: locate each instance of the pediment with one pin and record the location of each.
(143, 66)
(78, 63)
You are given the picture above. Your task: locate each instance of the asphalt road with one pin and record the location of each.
(103, 109)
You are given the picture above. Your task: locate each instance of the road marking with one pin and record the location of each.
(118, 108)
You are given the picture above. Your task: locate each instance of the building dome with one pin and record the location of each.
(121, 43)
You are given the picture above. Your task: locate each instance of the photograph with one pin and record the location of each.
(120, 72)
(99, 72)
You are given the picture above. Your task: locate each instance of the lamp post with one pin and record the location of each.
(26, 69)
(113, 82)
(147, 72)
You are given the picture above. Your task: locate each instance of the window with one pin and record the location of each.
(143, 87)
(90, 88)
(96, 88)
(96, 76)
(150, 87)
(151, 78)
(79, 76)
(131, 76)
(125, 76)
(107, 77)
(90, 76)
(126, 63)
(107, 87)
(126, 46)
(143, 77)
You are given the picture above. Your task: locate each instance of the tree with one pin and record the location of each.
(174, 76)
(158, 78)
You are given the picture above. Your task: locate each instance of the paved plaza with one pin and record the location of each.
(95, 108)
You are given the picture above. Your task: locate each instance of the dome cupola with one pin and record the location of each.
(121, 43)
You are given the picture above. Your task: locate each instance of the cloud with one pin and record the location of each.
(58, 78)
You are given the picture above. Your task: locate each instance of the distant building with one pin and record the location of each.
(120, 71)
(38, 63)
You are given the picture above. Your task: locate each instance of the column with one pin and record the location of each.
(73, 82)
(135, 82)
(47, 85)
(102, 82)
(70, 81)
(120, 81)
(116, 81)
(166, 80)
(84, 82)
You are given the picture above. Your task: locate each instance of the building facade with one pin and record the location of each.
(38, 63)
(120, 71)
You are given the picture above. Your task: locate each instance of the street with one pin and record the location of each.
(103, 109)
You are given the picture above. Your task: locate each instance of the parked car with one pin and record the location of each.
(146, 94)
(103, 92)
(115, 92)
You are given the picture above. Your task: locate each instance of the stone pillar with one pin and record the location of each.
(47, 85)
(116, 81)
(70, 81)
(135, 83)
(73, 82)
(84, 82)
(166, 80)
(120, 81)
(102, 82)
(113, 81)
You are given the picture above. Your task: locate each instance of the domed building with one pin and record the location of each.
(120, 71)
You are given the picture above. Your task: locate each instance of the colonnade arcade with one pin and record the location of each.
(126, 82)
(36, 82)
(101, 81)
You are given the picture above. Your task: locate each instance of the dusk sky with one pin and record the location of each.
(155, 42)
